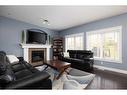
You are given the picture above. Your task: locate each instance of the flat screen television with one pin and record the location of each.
(34, 36)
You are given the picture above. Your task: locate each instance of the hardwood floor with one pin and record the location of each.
(108, 80)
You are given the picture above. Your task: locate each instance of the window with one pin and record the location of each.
(106, 44)
(74, 42)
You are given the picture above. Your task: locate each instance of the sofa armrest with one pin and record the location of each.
(29, 81)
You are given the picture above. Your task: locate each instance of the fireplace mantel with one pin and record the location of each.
(27, 46)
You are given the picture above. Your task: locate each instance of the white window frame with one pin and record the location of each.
(73, 35)
(105, 31)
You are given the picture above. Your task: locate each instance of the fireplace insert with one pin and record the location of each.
(37, 56)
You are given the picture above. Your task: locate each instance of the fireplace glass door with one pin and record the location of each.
(37, 56)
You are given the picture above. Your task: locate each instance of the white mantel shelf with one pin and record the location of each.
(27, 46)
(35, 46)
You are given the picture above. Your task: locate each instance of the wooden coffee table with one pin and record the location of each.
(58, 65)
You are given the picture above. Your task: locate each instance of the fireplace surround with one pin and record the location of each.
(37, 56)
(27, 48)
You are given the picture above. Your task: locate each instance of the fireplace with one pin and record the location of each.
(37, 56)
(27, 48)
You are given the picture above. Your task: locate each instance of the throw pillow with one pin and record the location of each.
(66, 54)
(12, 59)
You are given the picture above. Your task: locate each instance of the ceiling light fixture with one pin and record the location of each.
(46, 22)
(9, 14)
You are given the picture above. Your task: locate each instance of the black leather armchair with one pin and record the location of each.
(79, 59)
(22, 75)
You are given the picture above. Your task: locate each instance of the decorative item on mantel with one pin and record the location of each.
(23, 37)
(49, 40)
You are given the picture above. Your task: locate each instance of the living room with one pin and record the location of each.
(63, 47)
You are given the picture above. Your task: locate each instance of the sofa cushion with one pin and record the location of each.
(29, 66)
(80, 56)
(67, 59)
(22, 74)
(18, 67)
(77, 61)
(72, 53)
(10, 72)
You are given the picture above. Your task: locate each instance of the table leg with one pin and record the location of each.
(61, 72)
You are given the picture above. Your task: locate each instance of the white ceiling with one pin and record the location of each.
(60, 17)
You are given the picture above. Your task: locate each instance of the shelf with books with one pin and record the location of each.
(57, 47)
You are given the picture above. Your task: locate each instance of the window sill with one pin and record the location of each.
(108, 60)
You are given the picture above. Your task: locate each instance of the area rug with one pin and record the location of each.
(74, 79)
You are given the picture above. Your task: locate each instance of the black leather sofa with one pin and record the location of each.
(79, 59)
(22, 75)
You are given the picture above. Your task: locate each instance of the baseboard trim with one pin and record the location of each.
(110, 69)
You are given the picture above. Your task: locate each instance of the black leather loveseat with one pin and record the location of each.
(79, 59)
(22, 75)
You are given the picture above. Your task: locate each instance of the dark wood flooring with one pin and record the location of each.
(108, 80)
